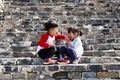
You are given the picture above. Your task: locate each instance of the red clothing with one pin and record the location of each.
(46, 39)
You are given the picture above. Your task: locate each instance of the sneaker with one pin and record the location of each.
(49, 61)
(75, 61)
(63, 61)
(34, 53)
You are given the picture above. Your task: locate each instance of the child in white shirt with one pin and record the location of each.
(73, 48)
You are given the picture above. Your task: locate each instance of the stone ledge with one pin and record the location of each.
(59, 72)
(38, 61)
(66, 67)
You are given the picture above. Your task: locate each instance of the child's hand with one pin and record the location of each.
(68, 43)
(51, 45)
(66, 39)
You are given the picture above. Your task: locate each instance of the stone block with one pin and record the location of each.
(5, 76)
(47, 9)
(112, 67)
(107, 75)
(9, 69)
(88, 75)
(39, 68)
(73, 68)
(99, 41)
(101, 13)
(60, 75)
(21, 4)
(110, 40)
(68, 8)
(30, 4)
(32, 76)
(85, 60)
(23, 62)
(57, 13)
(18, 75)
(103, 47)
(53, 68)
(95, 68)
(33, 8)
(74, 75)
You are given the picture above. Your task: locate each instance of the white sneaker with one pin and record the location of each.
(34, 53)
(76, 61)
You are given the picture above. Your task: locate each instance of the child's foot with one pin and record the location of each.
(75, 61)
(49, 61)
(63, 61)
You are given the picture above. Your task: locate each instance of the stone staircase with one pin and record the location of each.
(21, 26)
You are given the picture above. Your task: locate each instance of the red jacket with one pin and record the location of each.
(46, 39)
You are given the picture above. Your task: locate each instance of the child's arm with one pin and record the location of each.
(61, 36)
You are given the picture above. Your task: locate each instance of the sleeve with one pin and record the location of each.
(59, 36)
(42, 41)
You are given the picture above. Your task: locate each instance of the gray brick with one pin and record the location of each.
(112, 67)
(53, 68)
(74, 75)
(23, 62)
(60, 75)
(89, 75)
(21, 4)
(32, 76)
(39, 69)
(9, 69)
(18, 76)
(5, 76)
(73, 68)
(30, 4)
(95, 68)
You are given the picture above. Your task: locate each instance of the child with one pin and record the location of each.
(74, 48)
(46, 45)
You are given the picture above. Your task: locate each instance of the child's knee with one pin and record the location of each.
(53, 49)
(63, 47)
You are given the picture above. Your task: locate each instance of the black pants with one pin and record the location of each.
(70, 53)
(49, 52)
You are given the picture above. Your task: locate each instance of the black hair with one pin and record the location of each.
(48, 25)
(73, 30)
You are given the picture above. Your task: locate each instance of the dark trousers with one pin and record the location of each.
(49, 52)
(70, 53)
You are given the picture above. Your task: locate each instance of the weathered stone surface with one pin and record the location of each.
(53, 68)
(89, 75)
(107, 74)
(21, 25)
(74, 75)
(18, 76)
(5, 76)
(73, 68)
(32, 76)
(95, 68)
(113, 67)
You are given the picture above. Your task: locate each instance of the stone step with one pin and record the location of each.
(29, 53)
(38, 61)
(101, 53)
(107, 71)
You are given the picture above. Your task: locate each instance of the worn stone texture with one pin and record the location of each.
(21, 25)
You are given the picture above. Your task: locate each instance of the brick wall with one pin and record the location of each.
(21, 26)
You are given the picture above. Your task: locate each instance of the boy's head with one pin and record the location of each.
(73, 33)
(51, 27)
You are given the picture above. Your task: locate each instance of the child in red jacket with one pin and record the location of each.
(46, 45)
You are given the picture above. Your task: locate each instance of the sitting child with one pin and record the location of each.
(46, 45)
(73, 48)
